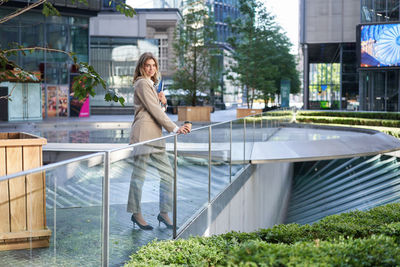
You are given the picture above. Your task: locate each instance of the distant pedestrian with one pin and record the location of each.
(148, 122)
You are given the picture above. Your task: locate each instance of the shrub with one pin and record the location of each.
(349, 121)
(367, 115)
(357, 238)
(199, 251)
(373, 251)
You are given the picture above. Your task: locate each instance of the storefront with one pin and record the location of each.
(64, 33)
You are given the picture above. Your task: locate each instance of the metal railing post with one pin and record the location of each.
(106, 211)
(209, 164)
(230, 154)
(244, 140)
(174, 215)
(254, 129)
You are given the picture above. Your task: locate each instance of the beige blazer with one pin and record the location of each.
(149, 116)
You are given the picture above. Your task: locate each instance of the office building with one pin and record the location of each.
(346, 65)
(68, 32)
(116, 43)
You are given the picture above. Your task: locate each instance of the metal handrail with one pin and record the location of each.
(106, 154)
(51, 166)
(176, 134)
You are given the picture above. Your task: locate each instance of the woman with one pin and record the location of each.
(148, 122)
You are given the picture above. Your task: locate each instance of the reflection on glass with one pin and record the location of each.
(57, 100)
(220, 158)
(324, 85)
(250, 135)
(141, 182)
(63, 101)
(379, 91)
(152, 155)
(63, 211)
(79, 42)
(392, 91)
(237, 146)
(115, 60)
(192, 177)
(52, 101)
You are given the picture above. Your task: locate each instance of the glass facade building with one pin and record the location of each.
(66, 33)
(379, 87)
(115, 58)
(364, 78)
(223, 10)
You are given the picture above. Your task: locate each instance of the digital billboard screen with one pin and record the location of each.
(379, 45)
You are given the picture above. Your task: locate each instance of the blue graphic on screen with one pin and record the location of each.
(380, 45)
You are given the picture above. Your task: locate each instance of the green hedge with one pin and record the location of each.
(285, 119)
(395, 133)
(278, 113)
(370, 238)
(373, 251)
(349, 121)
(366, 115)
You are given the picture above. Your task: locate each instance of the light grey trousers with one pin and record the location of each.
(160, 162)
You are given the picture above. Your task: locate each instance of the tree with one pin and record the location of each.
(88, 78)
(262, 54)
(194, 48)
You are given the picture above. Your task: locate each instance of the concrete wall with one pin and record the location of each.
(118, 25)
(257, 199)
(146, 24)
(329, 21)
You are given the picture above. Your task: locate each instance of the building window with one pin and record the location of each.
(114, 58)
(379, 10)
(324, 86)
(163, 52)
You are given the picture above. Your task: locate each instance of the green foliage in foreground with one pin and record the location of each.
(370, 238)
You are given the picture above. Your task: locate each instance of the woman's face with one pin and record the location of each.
(150, 68)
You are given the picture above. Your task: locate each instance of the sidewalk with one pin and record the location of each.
(216, 116)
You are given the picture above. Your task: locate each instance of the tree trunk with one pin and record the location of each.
(194, 96)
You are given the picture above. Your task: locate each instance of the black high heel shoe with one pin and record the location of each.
(162, 220)
(141, 226)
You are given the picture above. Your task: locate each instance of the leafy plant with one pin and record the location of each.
(87, 79)
(357, 238)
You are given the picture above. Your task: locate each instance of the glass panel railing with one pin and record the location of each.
(54, 215)
(249, 136)
(258, 126)
(88, 222)
(238, 146)
(88, 134)
(193, 173)
(141, 190)
(220, 157)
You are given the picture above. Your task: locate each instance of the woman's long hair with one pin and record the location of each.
(139, 71)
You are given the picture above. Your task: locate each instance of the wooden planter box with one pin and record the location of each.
(22, 199)
(197, 113)
(243, 112)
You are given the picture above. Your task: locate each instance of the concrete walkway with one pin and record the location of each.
(216, 116)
